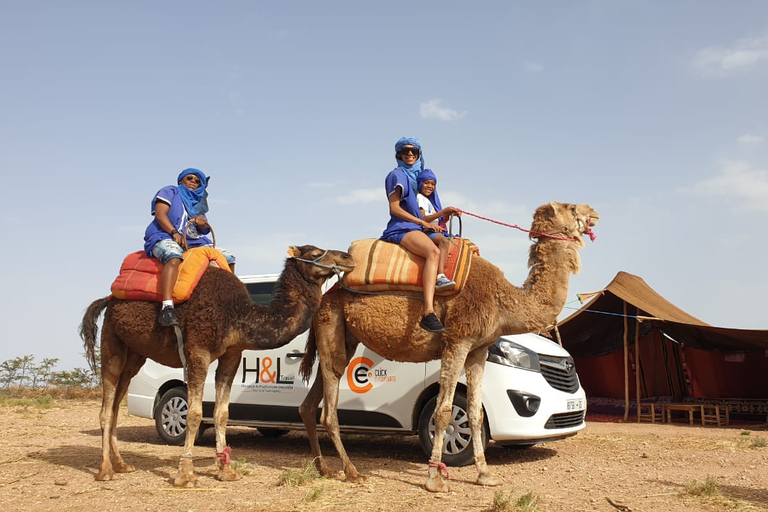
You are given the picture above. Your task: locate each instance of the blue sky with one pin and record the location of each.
(654, 113)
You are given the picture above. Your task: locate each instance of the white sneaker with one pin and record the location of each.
(443, 283)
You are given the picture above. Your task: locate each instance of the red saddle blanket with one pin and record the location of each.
(139, 277)
(386, 266)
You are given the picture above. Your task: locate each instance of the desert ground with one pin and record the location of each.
(51, 455)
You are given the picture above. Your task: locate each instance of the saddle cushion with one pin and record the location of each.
(385, 266)
(139, 277)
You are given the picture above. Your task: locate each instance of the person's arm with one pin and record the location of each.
(398, 211)
(161, 216)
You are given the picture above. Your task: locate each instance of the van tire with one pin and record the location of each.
(458, 446)
(171, 417)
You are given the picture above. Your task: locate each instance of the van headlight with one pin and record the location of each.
(510, 353)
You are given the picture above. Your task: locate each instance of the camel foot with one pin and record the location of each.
(437, 484)
(104, 474)
(122, 467)
(489, 480)
(186, 476)
(227, 474)
(437, 480)
(355, 478)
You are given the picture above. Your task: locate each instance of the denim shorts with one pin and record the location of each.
(166, 250)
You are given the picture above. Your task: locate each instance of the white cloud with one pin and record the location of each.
(533, 67)
(722, 62)
(433, 109)
(739, 181)
(360, 196)
(750, 140)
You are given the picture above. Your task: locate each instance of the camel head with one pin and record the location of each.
(320, 264)
(564, 221)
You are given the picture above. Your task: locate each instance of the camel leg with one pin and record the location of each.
(474, 368)
(450, 369)
(330, 421)
(196, 372)
(308, 413)
(334, 352)
(132, 366)
(113, 357)
(225, 373)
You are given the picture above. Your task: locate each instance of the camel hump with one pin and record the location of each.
(139, 277)
(383, 266)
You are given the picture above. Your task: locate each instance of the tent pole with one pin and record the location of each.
(626, 367)
(557, 335)
(637, 366)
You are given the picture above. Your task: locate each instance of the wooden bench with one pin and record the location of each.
(689, 408)
(713, 413)
(652, 412)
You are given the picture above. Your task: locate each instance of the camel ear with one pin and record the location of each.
(293, 251)
(554, 207)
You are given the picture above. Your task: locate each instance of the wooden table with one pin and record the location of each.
(689, 408)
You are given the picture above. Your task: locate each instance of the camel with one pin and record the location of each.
(487, 308)
(218, 322)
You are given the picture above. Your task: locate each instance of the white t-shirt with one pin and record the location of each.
(426, 205)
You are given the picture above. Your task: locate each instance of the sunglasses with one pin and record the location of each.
(191, 177)
(405, 151)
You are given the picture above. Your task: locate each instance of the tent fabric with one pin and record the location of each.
(598, 327)
(680, 356)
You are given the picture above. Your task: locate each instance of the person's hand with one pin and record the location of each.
(433, 227)
(201, 222)
(450, 210)
(180, 239)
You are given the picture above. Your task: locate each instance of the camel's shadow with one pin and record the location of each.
(370, 453)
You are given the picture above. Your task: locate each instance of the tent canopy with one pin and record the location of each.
(598, 327)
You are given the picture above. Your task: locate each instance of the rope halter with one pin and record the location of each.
(316, 262)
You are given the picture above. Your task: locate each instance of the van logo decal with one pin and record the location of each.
(359, 375)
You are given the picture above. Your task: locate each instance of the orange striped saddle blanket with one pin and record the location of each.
(385, 266)
(139, 277)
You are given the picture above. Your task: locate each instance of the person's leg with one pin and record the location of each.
(170, 254)
(443, 244)
(228, 256)
(420, 244)
(168, 278)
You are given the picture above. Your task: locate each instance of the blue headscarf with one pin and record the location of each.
(425, 175)
(195, 201)
(413, 170)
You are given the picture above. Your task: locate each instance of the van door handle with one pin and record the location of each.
(295, 355)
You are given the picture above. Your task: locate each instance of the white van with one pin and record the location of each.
(531, 393)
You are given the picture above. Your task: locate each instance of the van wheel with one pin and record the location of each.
(457, 447)
(171, 417)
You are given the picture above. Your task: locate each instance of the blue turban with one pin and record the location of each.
(195, 201)
(413, 170)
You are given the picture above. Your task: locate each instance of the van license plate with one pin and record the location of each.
(575, 404)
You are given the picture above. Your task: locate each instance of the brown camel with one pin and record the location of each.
(218, 322)
(487, 308)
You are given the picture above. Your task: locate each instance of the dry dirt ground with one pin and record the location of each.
(50, 456)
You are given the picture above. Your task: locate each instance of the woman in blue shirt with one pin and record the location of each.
(407, 228)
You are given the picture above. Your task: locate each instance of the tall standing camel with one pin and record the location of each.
(218, 322)
(487, 308)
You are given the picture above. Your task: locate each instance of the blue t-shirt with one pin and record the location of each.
(397, 227)
(178, 216)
